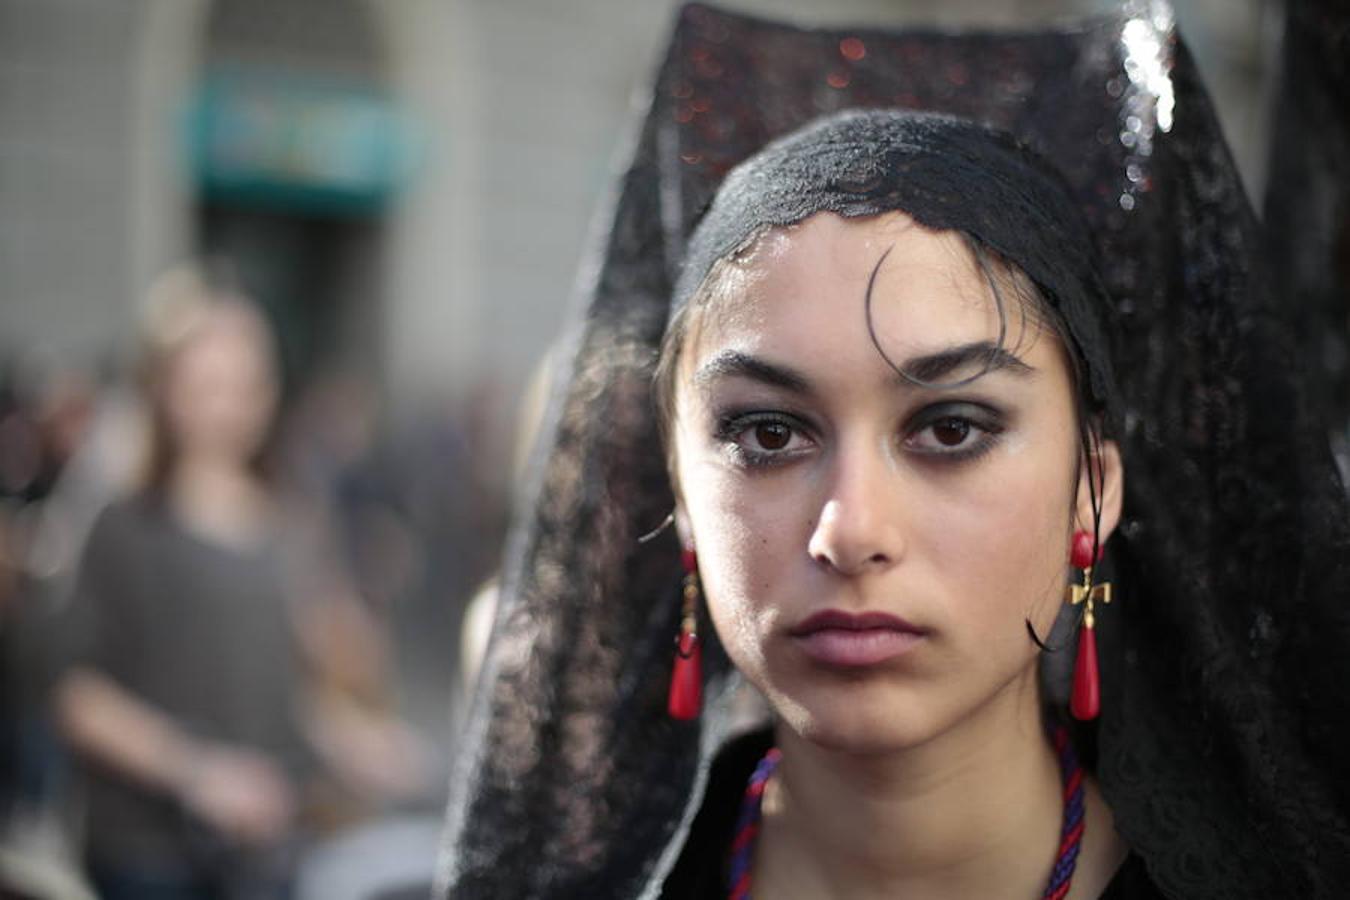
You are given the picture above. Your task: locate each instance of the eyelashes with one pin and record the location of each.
(760, 438)
(944, 433)
(956, 432)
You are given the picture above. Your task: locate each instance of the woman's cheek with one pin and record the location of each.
(744, 558)
(1019, 533)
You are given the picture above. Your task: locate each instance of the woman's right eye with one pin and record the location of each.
(770, 435)
(762, 438)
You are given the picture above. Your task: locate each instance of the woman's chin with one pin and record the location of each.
(860, 727)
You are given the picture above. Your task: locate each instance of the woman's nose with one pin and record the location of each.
(858, 530)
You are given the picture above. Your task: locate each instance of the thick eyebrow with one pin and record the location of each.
(989, 356)
(919, 369)
(924, 370)
(735, 364)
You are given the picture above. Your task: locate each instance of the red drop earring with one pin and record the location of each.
(686, 679)
(1085, 702)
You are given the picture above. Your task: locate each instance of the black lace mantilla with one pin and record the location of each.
(946, 172)
(1226, 676)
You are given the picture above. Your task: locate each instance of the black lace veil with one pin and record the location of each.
(1225, 671)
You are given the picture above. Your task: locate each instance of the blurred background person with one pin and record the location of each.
(46, 413)
(215, 670)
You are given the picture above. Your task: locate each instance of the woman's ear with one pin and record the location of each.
(1107, 474)
(682, 527)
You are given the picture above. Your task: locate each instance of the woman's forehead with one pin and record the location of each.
(830, 232)
(824, 283)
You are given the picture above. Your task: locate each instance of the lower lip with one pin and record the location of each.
(857, 648)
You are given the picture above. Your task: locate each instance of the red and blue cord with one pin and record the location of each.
(1071, 829)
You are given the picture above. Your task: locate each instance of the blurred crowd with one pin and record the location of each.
(203, 580)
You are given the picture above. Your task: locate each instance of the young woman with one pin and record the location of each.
(181, 692)
(213, 657)
(906, 455)
(885, 444)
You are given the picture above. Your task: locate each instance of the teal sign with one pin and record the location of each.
(296, 143)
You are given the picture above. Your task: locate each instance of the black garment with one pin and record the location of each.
(1307, 202)
(701, 872)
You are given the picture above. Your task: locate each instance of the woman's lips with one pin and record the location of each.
(855, 640)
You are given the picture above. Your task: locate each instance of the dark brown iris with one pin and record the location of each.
(950, 432)
(772, 435)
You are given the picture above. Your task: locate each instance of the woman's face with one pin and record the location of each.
(219, 389)
(869, 548)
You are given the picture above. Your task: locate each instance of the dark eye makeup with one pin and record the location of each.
(947, 432)
(956, 431)
(759, 438)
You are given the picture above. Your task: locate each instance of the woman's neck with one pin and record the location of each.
(219, 500)
(973, 812)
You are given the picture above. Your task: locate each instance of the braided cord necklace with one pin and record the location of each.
(1071, 829)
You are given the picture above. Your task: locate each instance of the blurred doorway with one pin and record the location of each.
(294, 152)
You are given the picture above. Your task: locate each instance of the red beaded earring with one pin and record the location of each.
(686, 679)
(1086, 702)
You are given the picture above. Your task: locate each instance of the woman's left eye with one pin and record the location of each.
(960, 433)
